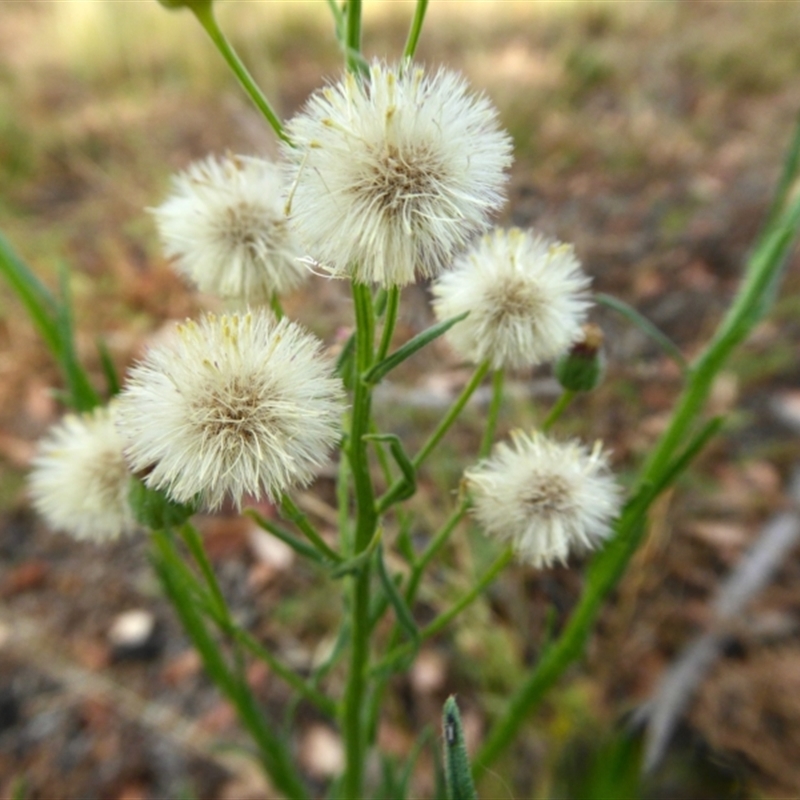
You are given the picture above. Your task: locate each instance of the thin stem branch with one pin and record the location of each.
(494, 413)
(275, 305)
(441, 429)
(310, 532)
(353, 42)
(389, 322)
(434, 546)
(205, 16)
(321, 701)
(415, 30)
(443, 620)
(560, 406)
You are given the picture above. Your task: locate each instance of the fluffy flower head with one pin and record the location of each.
(392, 173)
(79, 481)
(232, 405)
(225, 226)
(526, 297)
(544, 497)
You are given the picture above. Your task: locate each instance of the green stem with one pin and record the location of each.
(353, 43)
(494, 413)
(389, 322)
(415, 30)
(434, 546)
(194, 542)
(221, 611)
(231, 682)
(441, 429)
(366, 523)
(567, 396)
(275, 305)
(323, 703)
(301, 520)
(746, 311)
(443, 620)
(205, 16)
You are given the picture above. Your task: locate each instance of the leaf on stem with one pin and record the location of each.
(401, 608)
(409, 486)
(300, 547)
(354, 565)
(379, 371)
(113, 385)
(645, 326)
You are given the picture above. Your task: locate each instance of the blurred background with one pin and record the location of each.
(651, 135)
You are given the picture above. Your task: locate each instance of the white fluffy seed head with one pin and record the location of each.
(231, 405)
(525, 294)
(225, 227)
(544, 497)
(79, 482)
(391, 174)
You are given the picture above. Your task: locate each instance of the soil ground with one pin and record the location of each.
(649, 134)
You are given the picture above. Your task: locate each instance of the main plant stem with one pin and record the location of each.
(366, 522)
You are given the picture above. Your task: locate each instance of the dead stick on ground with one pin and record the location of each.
(754, 572)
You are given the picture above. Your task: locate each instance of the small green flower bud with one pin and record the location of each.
(581, 369)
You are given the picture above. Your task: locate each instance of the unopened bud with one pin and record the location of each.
(581, 369)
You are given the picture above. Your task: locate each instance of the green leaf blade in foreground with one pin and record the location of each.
(458, 774)
(39, 303)
(763, 271)
(82, 395)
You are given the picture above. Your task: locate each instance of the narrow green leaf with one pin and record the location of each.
(338, 20)
(338, 649)
(109, 370)
(645, 326)
(690, 452)
(401, 609)
(411, 761)
(354, 565)
(300, 547)
(39, 303)
(345, 363)
(403, 461)
(376, 373)
(789, 176)
(194, 542)
(183, 602)
(83, 395)
(301, 520)
(457, 771)
(404, 542)
(272, 750)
